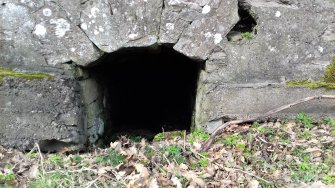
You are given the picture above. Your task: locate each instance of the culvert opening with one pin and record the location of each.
(245, 27)
(146, 91)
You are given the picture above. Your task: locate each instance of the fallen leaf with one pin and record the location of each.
(153, 183)
(104, 170)
(183, 166)
(193, 178)
(176, 182)
(144, 173)
(197, 146)
(33, 171)
(115, 145)
(253, 184)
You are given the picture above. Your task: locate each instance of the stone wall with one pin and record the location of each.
(293, 40)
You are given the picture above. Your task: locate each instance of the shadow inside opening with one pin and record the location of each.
(146, 91)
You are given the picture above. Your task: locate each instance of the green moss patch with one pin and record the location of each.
(6, 72)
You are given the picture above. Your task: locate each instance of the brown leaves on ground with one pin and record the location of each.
(280, 154)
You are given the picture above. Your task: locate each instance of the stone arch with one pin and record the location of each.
(192, 29)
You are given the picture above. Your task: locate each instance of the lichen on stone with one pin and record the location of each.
(7, 72)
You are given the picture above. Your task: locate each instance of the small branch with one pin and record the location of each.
(250, 174)
(242, 171)
(220, 129)
(89, 184)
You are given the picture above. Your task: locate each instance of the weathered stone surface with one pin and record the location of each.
(115, 24)
(61, 40)
(36, 110)
(17, 45)
(209, 21)
(45, 35)
(248, 78)
(92, 97)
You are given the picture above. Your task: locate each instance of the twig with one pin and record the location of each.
(73, 171)
(116, 179)
(41, 157)
(263, 140)
(220, 129)
(92, 182)
(250, 174)
(166, 159)
(242, 171)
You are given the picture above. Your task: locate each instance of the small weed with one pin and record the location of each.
(286, 141)
(175, 152)
(32, 155)
(247, 35)
(193, 165)
(304, 166)
(328, 159)
(332, 132)
(304, 172)
(324, 168)
(327, 179)
(247, 153)
(77, 159)
(149, 152)
(265, 130)
(240, 146)
(232, 140)
(305, 119)
(201, 135)
(267, 185)
(203, 161)
(255, 124)
(53, 180)
(55, 159)
(191, 139)
(113, 158)
(329, 121)
(7, 177)
(159, 137)
(299, 152)
(306, 134)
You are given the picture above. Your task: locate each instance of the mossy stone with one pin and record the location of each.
(328, 79)
(329, 76)
(310, 84)
(6, 72)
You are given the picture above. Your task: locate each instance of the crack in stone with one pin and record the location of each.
(160, 21)
(94, 45)
(248, 85)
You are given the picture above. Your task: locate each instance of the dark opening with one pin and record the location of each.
(246, 23)
(147, 91)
